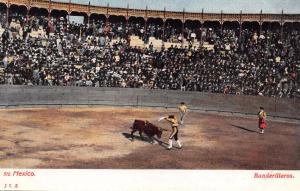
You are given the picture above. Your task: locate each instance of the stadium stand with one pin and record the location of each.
(56, 52)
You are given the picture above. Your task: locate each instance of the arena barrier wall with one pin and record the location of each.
(21, 96)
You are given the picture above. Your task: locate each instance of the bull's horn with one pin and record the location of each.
(164, 129)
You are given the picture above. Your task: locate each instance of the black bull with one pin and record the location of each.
(145, 127)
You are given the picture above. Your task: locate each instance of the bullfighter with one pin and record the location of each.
(183, 111)
(174, 124)
(262, 120)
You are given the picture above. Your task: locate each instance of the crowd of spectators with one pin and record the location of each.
(72, 54)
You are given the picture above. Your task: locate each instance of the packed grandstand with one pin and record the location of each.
(102, 53)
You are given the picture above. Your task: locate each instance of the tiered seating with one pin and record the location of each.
(169, 44)
(136, 41)
(208, 46)
(15, 25)
(1, 30)
(196, 43)
(155, 42)
(39, 32)
(115, 40)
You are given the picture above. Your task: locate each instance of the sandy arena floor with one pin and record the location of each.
(98, 138)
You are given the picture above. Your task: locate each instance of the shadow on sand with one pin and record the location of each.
(243, 128)
(144, 139)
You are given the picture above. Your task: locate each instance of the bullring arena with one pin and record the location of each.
(37, 134)
(74, 75)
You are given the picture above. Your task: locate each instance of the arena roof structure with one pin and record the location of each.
(210, 6)
(239, 11)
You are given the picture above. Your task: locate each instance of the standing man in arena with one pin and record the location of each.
(174, 124)
(262, 120)
(183, 110)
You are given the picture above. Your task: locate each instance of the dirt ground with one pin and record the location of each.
(99, 138)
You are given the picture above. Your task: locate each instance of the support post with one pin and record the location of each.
(281, 24)
(89, 13)
(69, 11)
(241, 25)
(260, 22)
(145, 22)
(127, 15)
(182, 29)
(28, 9)
(7, 12)
(49, 12)
(221, 22)
(164, 20)
(202, 22)
(107, 14)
